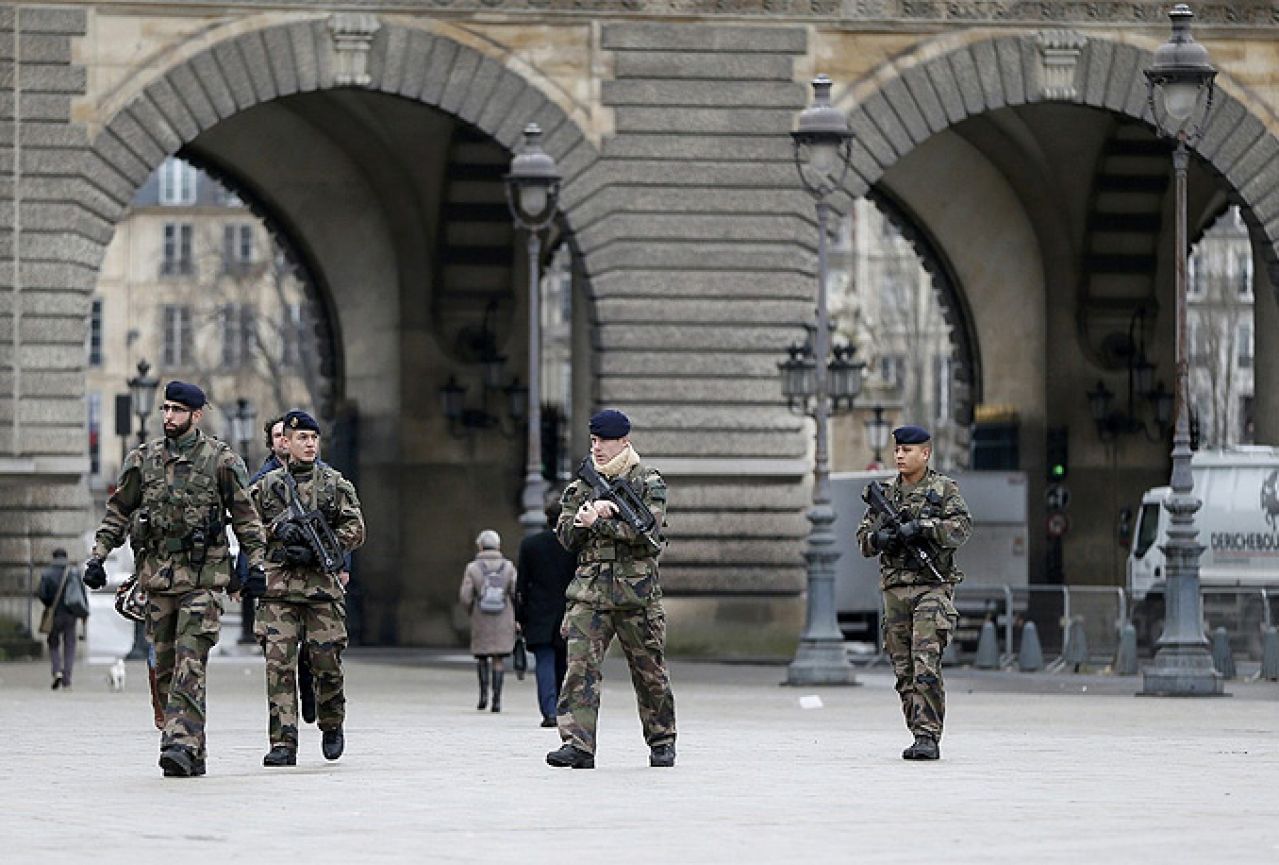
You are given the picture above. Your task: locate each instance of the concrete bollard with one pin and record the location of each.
(1076, 652)
(1126, 654)
(1222, 658)
(1030, 659)
(1270, 654)
(987, 648)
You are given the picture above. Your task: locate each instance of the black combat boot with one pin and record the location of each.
(333, 744)
(482, 668)
(571, 756)
(178, 762)
(924, 748)
(498, 675)
(661, 756)
(306, 688)
(280, 755)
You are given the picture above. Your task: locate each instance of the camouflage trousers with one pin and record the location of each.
(642, 633)
(183, 628)
(281, 626)
(918, 621)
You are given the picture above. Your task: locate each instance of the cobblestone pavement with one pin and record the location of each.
(1035, 770)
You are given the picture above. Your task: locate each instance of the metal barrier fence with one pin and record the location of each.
(1098, 613)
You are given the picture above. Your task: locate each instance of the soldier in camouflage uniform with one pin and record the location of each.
(172, 500)
(300, 602)
(614, 592)
(919, 611)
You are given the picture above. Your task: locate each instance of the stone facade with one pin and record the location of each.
(695, 245)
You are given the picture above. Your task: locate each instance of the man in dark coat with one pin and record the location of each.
(545, 570)
(59, 582)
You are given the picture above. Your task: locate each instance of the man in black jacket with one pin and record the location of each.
(545, 570)
(59, 583)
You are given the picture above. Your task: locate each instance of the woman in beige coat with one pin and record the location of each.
(488, 593)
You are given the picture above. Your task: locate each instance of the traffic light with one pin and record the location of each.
(1058, 453)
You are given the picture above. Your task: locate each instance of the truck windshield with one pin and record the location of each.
(1147, 529)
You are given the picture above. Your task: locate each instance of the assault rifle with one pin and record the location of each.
(630, 505)
(315, 530)
(918, 548)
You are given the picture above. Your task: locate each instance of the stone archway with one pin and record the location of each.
(346, 71)
(948, 80)
(342, 50)
(944, 87)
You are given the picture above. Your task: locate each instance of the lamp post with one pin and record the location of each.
(877, 434)
(142, 388)
(532, 192)
(823, 152)
(1180, 88)
(242, 425)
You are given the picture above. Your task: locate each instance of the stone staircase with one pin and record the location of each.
(475, 249)
(1121, 242)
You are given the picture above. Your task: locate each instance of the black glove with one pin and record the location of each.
(297, 554)
(911, 530)
(883, 539)
(95, 576)
(290, 534)
(255, 582)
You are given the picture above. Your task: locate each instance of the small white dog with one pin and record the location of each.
(115, 675)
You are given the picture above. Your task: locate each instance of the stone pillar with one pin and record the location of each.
(701, 247)
(50, 244)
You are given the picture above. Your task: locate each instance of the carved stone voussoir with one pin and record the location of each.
(352, 34)
(1058, 62)
(1063, 13)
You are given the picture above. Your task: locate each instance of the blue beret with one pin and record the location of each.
(610, 424)
(298, 419)
(187, 394)
(911, 435)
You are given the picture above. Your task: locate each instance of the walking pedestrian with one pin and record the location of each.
(488, 594)
(545, 570)
(277, 444)
(173, 500)
(300, 601)
(919, 610)
(614, 592)
(62, 593)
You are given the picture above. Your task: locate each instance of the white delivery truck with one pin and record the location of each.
(1238, 523)
(995, 556)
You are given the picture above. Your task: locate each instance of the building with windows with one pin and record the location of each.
(194, 284)
(885, 303)
(1219, 323)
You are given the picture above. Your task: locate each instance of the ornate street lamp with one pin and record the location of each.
(242, 425)
(532, 192)
(1180, 88)
(142, 388)
(877, 434)
(823, 152)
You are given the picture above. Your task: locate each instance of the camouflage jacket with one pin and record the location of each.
(934, 501)
(319, 486)
(616, 569)
(172, 501)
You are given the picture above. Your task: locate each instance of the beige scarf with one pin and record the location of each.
(620, 464)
